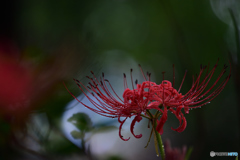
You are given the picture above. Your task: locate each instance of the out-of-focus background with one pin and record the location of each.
(44, 43)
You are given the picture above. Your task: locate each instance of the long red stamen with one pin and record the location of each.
(142, 72)
(182, 81)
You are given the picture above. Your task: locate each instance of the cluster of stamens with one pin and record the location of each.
(148, 95)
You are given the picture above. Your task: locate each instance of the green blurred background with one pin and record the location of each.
(56, 41)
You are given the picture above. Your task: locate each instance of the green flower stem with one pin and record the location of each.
(189, 151)
(160, 143)
(145, 116)
(156, 134)
(149, 138)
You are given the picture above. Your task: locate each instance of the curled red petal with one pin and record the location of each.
(162, 121)
(120, 128)
(178, 110)
(182, 122)
(183, 126)
(138, 118)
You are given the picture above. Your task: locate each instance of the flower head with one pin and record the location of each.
(107, 103)
(137, 102)
(201, 93)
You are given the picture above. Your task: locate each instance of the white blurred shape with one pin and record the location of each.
(221, 9)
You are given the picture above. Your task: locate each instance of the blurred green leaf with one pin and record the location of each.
(104, 129)
(188, 154)
(82, 121)
(77, 134)
(4, 127)
(115, 157)
(59, 144)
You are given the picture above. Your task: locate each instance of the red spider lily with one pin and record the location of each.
(107, 103)
(148, 95)
(170, 99)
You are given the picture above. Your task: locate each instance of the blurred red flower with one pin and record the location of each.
(174, 153)
(16, 79)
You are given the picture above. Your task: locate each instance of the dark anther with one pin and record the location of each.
(95, 84)
(163, 72)
(139, 65)
(106, 80)
(77, 80)
(101, 83)
(124, 75)
(88, 87)
(78, 85)
(88, 77)
(131, 69)
(98, 94)
(92, 72)
(136, 82)
(74, 79)
(149, 74)
(102, 74)
(92, 94)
